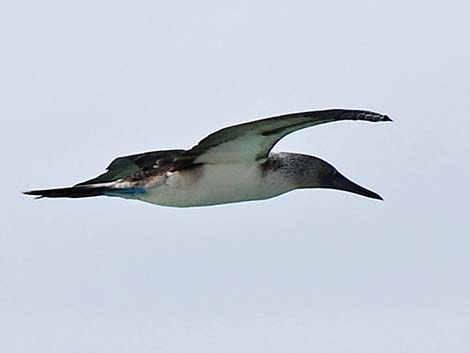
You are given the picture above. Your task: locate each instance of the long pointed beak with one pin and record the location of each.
(340, 182)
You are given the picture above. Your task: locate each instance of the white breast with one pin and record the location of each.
(213, 184)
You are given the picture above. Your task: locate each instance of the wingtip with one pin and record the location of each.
(369, 115)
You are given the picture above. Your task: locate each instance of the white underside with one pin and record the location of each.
(216, 184)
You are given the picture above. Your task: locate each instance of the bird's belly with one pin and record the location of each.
(212, 185)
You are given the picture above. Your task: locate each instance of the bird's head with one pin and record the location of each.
(313, 172)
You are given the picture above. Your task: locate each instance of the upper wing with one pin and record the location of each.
(253, 140)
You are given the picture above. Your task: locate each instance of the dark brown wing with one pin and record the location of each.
(244, 142)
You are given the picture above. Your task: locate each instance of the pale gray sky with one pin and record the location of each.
(310, 271)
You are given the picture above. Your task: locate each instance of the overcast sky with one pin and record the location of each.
(310, 271)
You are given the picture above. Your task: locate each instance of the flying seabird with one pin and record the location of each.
(230, 165)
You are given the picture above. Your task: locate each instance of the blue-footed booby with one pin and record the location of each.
(230, 165)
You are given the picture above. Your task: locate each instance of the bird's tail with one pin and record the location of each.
(72, 192)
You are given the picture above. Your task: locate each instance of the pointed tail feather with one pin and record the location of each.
(72, 192)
